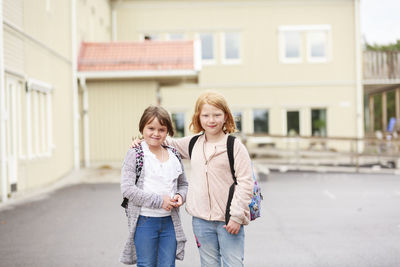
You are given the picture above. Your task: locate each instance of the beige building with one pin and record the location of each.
(38, 53)
(286, 67)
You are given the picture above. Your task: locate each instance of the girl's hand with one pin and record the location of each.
(178, 200)
(168, 203)
(232, 227)
(135, 142)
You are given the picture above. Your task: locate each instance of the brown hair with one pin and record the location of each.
(156, 112)
(217, 100)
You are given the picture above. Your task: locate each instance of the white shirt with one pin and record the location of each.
(159, 178)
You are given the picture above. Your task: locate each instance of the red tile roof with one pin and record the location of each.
(131, 56)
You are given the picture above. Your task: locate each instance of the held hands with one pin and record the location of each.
(170, 203)
(178, 200)
(232, 227)
(135, 142)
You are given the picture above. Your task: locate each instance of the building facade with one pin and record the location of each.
(39, 44)
(284, 72)
(286, 68)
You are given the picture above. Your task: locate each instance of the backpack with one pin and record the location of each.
(255, 204)
(139, 167)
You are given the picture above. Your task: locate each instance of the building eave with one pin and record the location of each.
(151, 74)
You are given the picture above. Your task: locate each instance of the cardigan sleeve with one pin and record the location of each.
(129, 189)
(182, 184)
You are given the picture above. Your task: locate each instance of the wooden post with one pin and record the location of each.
(371, 113)
(384, 112)
(397, 103)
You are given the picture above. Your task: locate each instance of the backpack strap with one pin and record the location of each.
(191, 144)
(139, 167)
(139, 161)
(229, 147)
(176, 153)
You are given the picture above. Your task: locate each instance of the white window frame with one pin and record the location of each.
(282, 48)
(285, 128)
(184, 120)
(20, 90)
(212, 61)
(312, 59)
(268, 110)
(229, 61)
(39, 102)
(305, 43)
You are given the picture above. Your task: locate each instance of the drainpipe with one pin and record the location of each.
(75, 107)
(114, 5)
(85, 100)
(113, 24)
(3, 114)
(359, 85)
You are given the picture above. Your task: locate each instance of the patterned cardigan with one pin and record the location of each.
(138, 198)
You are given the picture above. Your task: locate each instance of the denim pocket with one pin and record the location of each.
(141, 220)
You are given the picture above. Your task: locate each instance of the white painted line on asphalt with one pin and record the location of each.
(329, 194)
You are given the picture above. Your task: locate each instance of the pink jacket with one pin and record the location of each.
(208, 191)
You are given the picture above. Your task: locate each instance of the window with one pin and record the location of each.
(293, 40)
(318, 122)
(207, 47)
(231, 48)
(317, 43)
(178, 121)
(291, 47)
(237, 116)
(261, 121)
(293, 123)
(39, 119)
(176, 36)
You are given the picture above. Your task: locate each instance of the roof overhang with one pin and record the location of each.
(145, 74)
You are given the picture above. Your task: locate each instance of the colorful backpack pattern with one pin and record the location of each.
(255, 204)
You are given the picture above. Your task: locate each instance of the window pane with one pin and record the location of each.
(318, 41)
(178, 121)
(261, 119)
(377, 112)
(292, 44)
(293, 125)
(207, 46)
(237, 116)
(318, 122)
(232, 43)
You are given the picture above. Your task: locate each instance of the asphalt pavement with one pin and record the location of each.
(308, 219)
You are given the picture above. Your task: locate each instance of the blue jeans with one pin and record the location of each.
(214, 243)
(155, 242)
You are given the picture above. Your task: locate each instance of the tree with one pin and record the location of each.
(388, 47)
